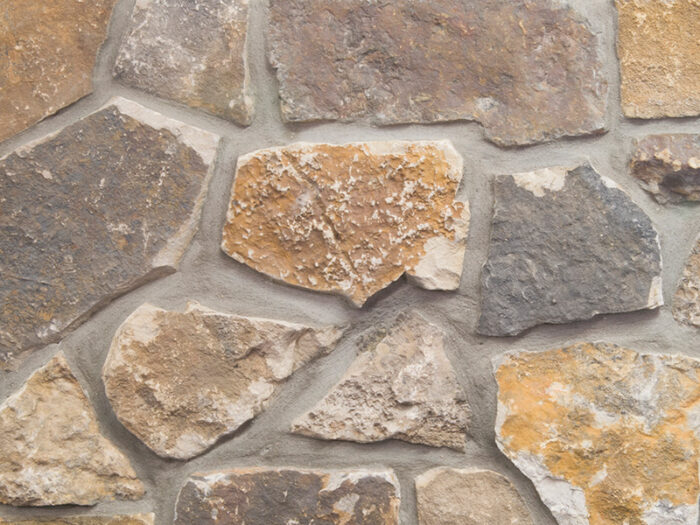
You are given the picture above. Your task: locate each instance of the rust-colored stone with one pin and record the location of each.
(135, 519)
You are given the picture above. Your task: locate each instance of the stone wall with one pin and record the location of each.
(349, 262)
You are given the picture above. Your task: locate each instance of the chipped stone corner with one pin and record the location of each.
(537, 181)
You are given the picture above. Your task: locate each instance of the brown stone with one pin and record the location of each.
(350, 219)
(47, 54)
(527, 70)
(135, 519)
(686, 302)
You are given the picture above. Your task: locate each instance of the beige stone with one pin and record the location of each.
(135, 519)
(686, 302)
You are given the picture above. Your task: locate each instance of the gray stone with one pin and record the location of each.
(686, 301)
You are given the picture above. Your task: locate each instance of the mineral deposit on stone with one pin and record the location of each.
(449, 496)
(136, 519)
(286, 496)
(566, 245)
(51, 448)
(659, 56)
(91, 212)
(190, 52)
(181, 380)
(527, 70)
(47, 54)
(686, 302)
(350, 219)
(401, 387)
(607, 435)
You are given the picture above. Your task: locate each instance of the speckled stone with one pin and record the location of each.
(135, 519)
(686, 302)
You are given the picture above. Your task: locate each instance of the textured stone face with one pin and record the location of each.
(256, 496)
(51, 448)
(91, 212)
(136, 519)
(686, 302)
(659, 57)
(468, 497)
(401, 387)
(181, 380)
(48, 54)
(190, 52)
(607, 435)
(566, 245)
(528, 71)
(350, 219)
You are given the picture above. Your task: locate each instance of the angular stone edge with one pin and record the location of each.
(146, 519)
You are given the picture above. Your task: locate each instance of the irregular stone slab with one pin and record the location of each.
(468, 497)
(135, 519)
(285, 496)
(668, 166)
(686, 302)
(181, 380)
(49, 51)
(566, 245)
(350, 219)
(528, 71)
(91, 212)
(659, 64)
(193, 53)
(51, 448)
(401, 387)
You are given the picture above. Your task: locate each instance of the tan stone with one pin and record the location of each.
(350, 219)
(686, 302)
(51, 448)
(135, 519)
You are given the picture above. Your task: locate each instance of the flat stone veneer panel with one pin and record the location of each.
(686, 302)
(136, 519)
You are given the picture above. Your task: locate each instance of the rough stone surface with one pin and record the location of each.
(350, 219)
(528, 71)
(136, 519)
(47, 54)
(686, 302)
(51, 448)
(668, 166)
(607, 435)
(92, 212)
(190, 52)
(566, 245)
(181, 380)
(659, 57)
(256, 496)
(449, 496)
(402, 387)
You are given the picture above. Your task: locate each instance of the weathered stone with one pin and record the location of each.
(92, 212)
(285, 496)
(566, 245)
(468, 497)
(659, 57)
(181, 380)
(350, 219)
(51, 448)
(400, 387)
(47, 54)
(607, 435)
(528, 71)
(135, 519)
(190, 52)
(668, 166)
(686, 302)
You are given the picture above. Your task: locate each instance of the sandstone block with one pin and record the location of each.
(136, 519)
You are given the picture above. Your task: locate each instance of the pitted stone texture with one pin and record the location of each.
(668, 166)
(449, 496)
(528, 71)
(191, 52)
(607, 435)
(48, 54)
(401, 387)
(51, 448)
(350, 219)
(566, 245)
(686, 302)
(285, 496)
(181, 380)
(92, 212)
(136, 519)
(659, 57)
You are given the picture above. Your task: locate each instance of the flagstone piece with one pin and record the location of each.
(686, 301)
(135, 519)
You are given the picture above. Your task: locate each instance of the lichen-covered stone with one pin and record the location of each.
(350, 219)
(181, 380)
(190, 52)
(449, 496)
(91, 212)
(135, 519)
(607, 435)
(286, 496)
(686, 302)
(566, 245)
(659, 56)
(528, 71)
(51, 448)
(47, 54)
(401, 387)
